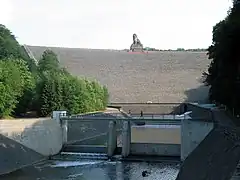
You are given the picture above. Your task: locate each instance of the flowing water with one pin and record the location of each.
(95, 170)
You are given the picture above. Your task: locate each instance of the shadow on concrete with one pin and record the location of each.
(196, 95)
(216, 157)
(24, 142)
(14, 156)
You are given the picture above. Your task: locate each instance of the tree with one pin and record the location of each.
(48, 62)
(50, 96)
(10, 48)
(224, 71)
(14, 78)
(47, 87)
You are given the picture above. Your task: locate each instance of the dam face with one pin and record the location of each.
(155, 76)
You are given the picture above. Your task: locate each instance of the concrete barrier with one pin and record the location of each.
(41, 135)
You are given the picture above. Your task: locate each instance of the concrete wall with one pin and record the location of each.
(156, 149)
(153, 134)
(193, 132)
(41, 135)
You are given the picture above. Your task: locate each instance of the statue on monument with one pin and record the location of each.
(136, 45)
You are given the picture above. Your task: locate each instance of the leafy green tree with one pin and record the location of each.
(48, 62)
(50, 94)
(223, 74)
(10, 48)
(75, 95)
(47, 87)
(14, 78)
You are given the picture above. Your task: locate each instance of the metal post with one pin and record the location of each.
(112, 138)
(126, 139)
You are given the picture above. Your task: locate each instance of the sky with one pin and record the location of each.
(110, 24)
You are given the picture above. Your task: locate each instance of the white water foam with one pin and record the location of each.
(83, 154)
(73, 163)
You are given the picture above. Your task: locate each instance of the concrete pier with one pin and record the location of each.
(64, 125)
(126, 139)
(112, 139)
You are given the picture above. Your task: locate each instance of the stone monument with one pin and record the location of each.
(136, 45)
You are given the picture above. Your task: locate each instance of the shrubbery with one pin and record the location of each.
(42, 88)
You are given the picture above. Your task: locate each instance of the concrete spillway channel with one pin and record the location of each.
(158, 146)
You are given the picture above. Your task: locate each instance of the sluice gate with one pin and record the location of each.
(134, 135)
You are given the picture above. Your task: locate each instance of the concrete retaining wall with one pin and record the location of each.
(156, 149)
(41, 135)
(193, 133)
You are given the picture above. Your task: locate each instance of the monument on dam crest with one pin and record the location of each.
(136, 45)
